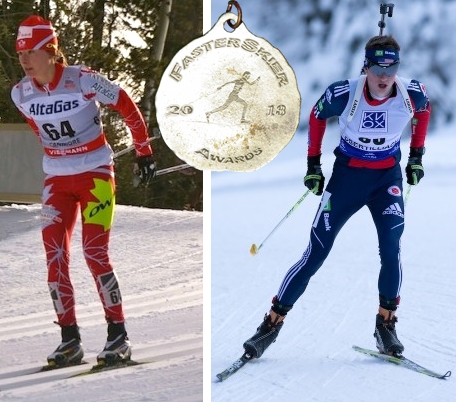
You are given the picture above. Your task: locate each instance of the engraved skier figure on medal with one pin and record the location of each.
(234, 96)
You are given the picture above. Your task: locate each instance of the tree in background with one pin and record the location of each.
(119, 39)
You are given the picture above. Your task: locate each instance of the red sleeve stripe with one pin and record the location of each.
(419, 126)
(317, 129)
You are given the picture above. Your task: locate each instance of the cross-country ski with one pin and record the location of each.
(402, 361)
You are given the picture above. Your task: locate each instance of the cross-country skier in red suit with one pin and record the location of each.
(372, 111)
(61, 104)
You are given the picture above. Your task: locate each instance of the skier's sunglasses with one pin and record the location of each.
(389, 70)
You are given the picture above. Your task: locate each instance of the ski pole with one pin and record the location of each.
(173, 169)
(182, 166)
(407, 194)
(130, 148)
(255, 249)
(124, 151)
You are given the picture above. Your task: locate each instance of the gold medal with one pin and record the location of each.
(228, 100)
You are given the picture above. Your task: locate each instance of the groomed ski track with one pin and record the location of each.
(312, 359)
(158, 259)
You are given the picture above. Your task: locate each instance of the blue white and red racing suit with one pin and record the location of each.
(366, 172)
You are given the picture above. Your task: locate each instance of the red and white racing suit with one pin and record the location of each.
(78, 163)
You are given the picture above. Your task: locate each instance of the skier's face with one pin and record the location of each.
(37, 64)
(379, 85)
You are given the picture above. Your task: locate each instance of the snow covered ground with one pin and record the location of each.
(158, 256)
(312, 358)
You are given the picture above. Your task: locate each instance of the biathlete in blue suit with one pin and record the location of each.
(372, 111)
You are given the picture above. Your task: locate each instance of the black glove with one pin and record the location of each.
(314, 179)
(414, 169)
(145, 169)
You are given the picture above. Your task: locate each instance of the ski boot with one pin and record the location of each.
(385, 333)
(268, 330)
(117, 348)
(70, 351)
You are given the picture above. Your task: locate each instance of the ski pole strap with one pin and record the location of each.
(415, 175)
(313, 176)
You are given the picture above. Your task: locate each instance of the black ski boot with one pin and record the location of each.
(118, 346)
(268, 330)
(385, 333)
(70, 351)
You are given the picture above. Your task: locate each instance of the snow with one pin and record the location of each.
(158, 256)
(324, 42)
(312, 355)
(312, 359)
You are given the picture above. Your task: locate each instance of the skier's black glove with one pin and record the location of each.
(314, 179)
(414, 169)
(145, 169)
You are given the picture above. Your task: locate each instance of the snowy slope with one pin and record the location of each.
(323, 40)
(312, 356)
(312, 359)
(158, 257)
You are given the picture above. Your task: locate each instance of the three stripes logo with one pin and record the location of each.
(394, 209)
